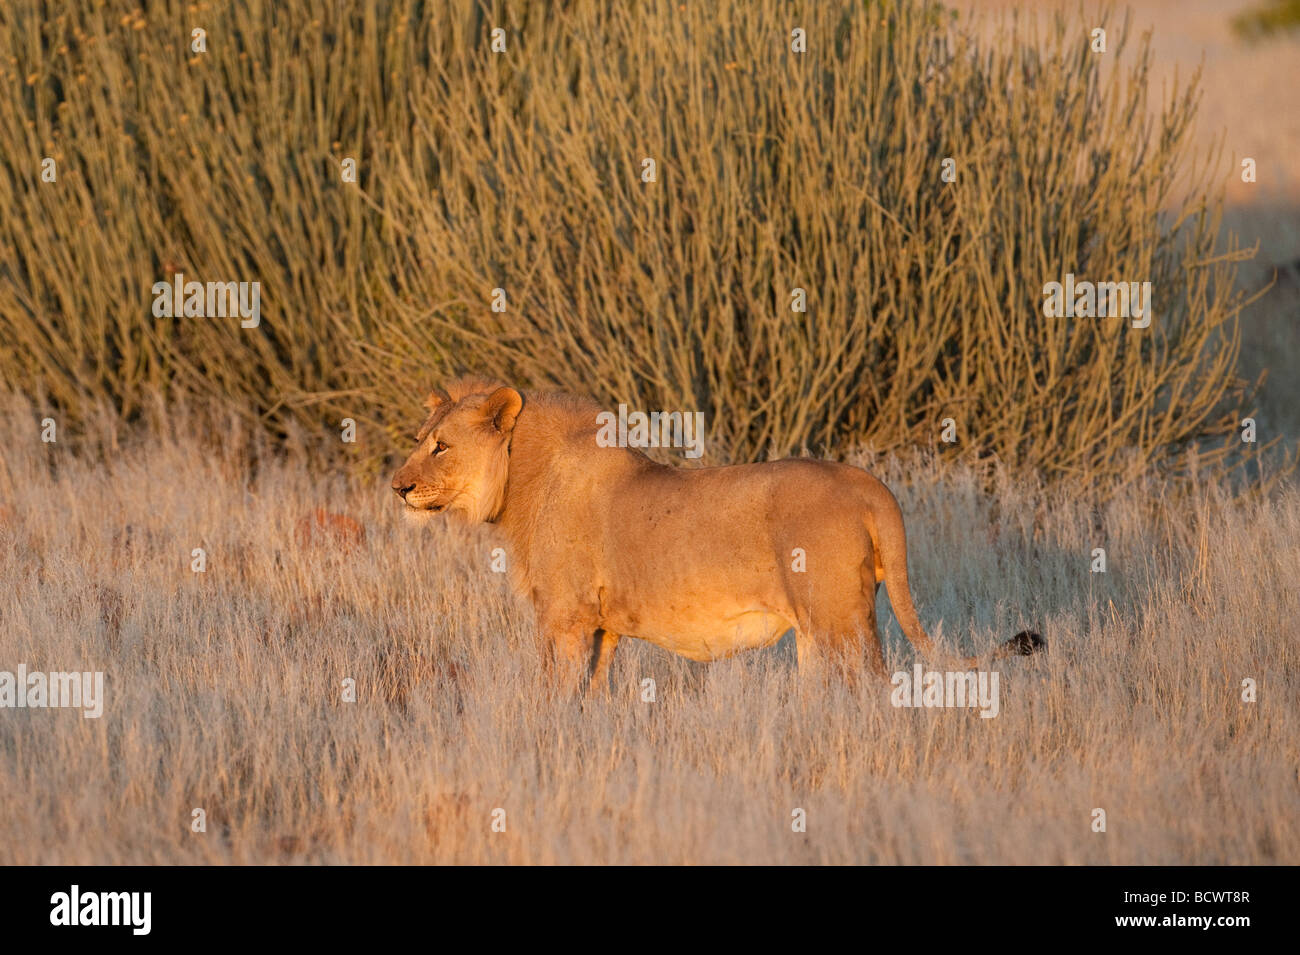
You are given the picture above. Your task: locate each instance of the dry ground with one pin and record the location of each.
(223, 688)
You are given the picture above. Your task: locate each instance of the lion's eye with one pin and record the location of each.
(439, 448)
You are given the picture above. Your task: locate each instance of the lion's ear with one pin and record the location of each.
(502, 408)
(437, 398)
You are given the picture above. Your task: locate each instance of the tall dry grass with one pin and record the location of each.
(521, 171)
(223, 689)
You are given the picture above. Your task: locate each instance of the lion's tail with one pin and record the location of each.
(889, 538)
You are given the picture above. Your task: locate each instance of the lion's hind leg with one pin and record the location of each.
(606, 643)
(847, 641)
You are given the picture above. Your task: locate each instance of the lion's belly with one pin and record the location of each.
(707, 636)
(705, 602)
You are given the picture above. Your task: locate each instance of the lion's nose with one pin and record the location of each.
(402, 489)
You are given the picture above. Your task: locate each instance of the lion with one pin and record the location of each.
(703, 562)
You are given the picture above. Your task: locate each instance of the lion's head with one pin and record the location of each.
(462, 456)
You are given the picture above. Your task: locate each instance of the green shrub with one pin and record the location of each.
(1265, 19)
(522, 171)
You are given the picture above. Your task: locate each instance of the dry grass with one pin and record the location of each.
(224, 688)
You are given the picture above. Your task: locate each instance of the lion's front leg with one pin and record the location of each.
(569, 650)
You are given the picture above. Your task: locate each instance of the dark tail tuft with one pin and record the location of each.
(1024, 644)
